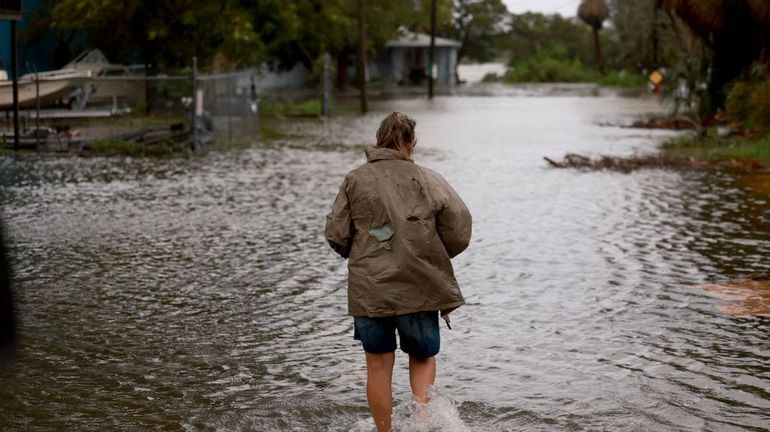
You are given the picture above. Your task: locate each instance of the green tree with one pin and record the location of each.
(384, 20)
(478, 26)
(646, 36)
(534, 33)
(166, 34)
(301, 31)
(163, 33)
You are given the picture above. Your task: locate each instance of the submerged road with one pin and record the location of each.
(199, 294)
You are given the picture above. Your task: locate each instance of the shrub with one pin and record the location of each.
(311, 107)
(490, 77)
(748, 101)
(622, 79)
(550, 70)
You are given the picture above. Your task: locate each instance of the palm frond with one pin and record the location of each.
(761, 10)
(593, 12)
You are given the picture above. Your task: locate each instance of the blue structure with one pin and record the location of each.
(40, 54)
(5, 43)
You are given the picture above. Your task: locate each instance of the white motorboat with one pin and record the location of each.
(75, 85)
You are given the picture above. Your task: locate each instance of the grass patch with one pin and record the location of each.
(715, 149)
(491, 77)
(310, 107)
(107, 147)
(271, 132)
(622, 79)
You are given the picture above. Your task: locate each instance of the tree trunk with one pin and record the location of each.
(150, 69)
(457, 72)
(342, 68)
(735, 47)
(655, 39)
(465, 31)
(361, 60)
(598, 51)
(432, 54)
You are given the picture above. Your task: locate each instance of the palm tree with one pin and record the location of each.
(761, 10)
(703, 16)
(593, 13)
(708, 16)
(735, 30)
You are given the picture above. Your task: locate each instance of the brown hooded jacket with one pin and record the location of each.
(399, 224)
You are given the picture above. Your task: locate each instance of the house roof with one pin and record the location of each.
(420, 40)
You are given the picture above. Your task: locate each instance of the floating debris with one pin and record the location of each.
(759, 183)
(633, 163)
(679, 123)
(746, 297)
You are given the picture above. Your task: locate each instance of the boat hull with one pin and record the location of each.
(51, 92)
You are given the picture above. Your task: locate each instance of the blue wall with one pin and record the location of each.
(38, 55)
(5, 43)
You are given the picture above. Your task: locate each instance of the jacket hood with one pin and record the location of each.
(374, 153)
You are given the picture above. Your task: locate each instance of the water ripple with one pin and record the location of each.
(199, 294)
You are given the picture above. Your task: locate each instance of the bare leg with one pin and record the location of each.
(422, 375)
(379, 368)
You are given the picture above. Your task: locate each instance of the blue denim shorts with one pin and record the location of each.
(418, 334)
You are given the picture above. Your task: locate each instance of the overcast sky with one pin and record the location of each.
(565, 7)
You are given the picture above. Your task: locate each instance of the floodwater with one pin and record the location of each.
(199, 294)
(475, 73)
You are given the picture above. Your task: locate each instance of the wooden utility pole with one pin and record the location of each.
(15, 84)
(431, 54)
(361, 60)
(11, 10)
(655, 36)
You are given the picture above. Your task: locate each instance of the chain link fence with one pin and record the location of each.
(230, 104)
(58, 109)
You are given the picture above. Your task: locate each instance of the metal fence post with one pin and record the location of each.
(326, 86)
(254, 102)
(194, 105)
(230, 96)
(37, 106)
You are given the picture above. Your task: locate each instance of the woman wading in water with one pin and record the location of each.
(399, 224)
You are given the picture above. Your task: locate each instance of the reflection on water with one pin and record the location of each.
(475, 73)
(758, 183)
(746, 296)
(199, 294)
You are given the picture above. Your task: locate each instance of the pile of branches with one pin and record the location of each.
(175, 133)
(633, 163)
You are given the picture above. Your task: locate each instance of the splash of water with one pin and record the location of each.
(438, 415)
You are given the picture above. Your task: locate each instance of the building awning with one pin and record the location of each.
(420, 40)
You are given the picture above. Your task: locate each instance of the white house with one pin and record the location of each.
(405, 60)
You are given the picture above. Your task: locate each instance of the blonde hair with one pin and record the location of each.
(397, 132)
